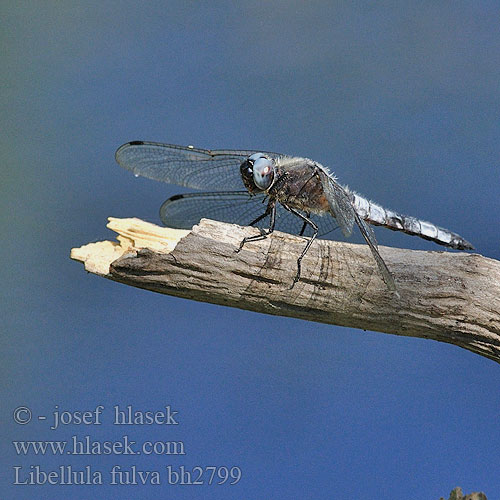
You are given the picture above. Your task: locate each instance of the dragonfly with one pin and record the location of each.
(257, 188)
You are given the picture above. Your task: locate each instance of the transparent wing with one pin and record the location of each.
(339, 202)
(187, 166)
(345, 214)
(183, 211)
(369, 236)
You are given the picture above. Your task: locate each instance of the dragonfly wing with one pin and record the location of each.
(340, 204)
(369, 236)
(183, 211)
(187, 166)
(346, 215)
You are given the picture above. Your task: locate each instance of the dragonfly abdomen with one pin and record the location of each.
(379, 216)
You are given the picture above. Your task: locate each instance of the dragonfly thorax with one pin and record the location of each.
(257, 172)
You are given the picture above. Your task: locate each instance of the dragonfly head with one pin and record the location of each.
(257, 172)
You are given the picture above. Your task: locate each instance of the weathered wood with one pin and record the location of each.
(444, 296)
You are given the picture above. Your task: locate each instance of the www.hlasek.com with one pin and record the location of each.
(87, 446)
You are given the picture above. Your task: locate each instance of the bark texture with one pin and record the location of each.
(445, 296)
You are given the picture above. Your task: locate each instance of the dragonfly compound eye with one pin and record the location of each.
(263, 171)
(257, 172)
(246, 171)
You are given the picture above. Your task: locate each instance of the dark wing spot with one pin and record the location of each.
(136, 143)
(176, 197)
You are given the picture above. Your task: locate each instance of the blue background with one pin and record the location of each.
(400, 99)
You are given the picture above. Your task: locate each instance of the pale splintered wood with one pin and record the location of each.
(446, 296)
(133, 234)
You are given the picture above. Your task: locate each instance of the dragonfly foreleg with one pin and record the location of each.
(264, 233)
(260, 217)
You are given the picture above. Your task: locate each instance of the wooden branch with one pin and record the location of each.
(445, 296)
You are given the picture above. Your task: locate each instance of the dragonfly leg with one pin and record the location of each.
(307, 222)
(304, 225)
(260, 217)
(271, 209)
